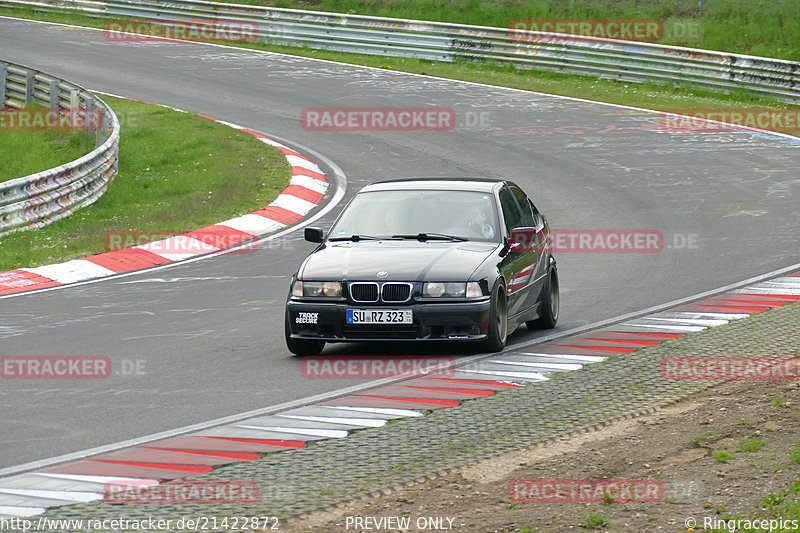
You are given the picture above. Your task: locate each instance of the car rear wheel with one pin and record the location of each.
(498, 321)
(549, 303)
(301, 346)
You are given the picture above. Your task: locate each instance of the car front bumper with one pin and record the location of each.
(440, 321)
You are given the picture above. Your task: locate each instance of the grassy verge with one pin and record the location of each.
(779, 511)
(648, 95)
(28, 152)
(177, 172)
(26, 250)
(757, 27)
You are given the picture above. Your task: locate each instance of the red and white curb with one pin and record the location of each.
(535, 363)
(84, 480)
(306, 189)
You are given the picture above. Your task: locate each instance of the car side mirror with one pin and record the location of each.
(314, 234)
(523, 240)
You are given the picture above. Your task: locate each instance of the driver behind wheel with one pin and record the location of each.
(477, 225)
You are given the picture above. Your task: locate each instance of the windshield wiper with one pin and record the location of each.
(356, 238)
(431, 237)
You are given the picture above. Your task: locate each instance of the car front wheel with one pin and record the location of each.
(498, 321)
(301, 346)
(549, 303)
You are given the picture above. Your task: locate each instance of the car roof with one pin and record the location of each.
(452, 184)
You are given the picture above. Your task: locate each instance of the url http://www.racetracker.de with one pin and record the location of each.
(124, 525)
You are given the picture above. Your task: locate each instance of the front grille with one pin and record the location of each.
(395, 292)
(397, 331)
(364, 292)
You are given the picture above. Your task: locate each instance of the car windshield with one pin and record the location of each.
(435, 214)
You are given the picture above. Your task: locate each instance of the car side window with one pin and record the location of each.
(511, 213)
(537, 217)
(528, 220)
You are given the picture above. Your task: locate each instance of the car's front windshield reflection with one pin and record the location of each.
(465, 214)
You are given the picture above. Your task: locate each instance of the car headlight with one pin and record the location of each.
(332, 289)
(438, 289)
(474, 290)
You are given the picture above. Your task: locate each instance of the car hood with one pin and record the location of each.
(401, 260)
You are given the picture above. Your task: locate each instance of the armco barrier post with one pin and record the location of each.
(30, 77)
(3, 73)
(106, 129)
(74, 99)
(54, 95)
(89, 110)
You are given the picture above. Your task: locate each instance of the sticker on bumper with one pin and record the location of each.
(306, 318)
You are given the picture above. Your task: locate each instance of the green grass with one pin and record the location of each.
(773, 500)
(28, 152)
(756, 27)
(697, 441)
(780, 402)
(773, 37)
(752, 445)
(597, 521)
(609, 498)
(177, 172)
(647, 95)
(794, 457)
(722, 457)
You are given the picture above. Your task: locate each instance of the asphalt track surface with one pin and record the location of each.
(208, 335)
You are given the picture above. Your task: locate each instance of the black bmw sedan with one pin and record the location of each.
(426, 259)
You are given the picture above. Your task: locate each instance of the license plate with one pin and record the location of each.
(379, 316)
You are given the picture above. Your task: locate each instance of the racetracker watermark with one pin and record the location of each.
(46, 119)
(720, 368)
(727, 119)
(55, 367)
(378, 119)
(207, 31)
(181, 492)
(618, 241)
(607, 241)
(585, 490)
(651, 30)
(374, 367)
(625, 29)
(168, 243)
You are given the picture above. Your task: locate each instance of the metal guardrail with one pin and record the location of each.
(39, 199)
(438, 41)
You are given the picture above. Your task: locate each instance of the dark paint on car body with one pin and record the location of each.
(494, 274)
